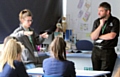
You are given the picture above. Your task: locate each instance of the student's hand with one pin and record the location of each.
(44, 35)
(28, 33)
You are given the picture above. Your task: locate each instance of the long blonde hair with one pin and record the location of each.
(57, 48)
(10, 53)
(8, 38)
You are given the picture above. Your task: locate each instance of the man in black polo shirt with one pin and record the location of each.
(105, 34)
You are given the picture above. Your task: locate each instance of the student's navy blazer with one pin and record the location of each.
(19, 70)
(54, 67)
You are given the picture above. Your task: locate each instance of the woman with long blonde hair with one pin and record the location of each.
(10, 60)
(57, 64)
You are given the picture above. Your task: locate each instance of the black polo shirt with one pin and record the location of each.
(111, 25)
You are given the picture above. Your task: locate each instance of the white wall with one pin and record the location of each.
(74, 22)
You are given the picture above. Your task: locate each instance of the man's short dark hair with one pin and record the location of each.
(106, 6)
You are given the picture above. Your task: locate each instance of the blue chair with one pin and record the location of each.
(84, 45)
(50, 76)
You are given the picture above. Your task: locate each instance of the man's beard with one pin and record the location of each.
(103, 17)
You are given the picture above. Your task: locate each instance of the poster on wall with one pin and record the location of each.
(84, 14)
(79, 16)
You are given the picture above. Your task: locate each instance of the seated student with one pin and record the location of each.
(23, 50)
(10, 61)
(57, 65)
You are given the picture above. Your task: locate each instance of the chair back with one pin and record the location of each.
(84, 45)
(51, 76)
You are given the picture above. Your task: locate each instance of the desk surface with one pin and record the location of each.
(84, 54)
(77, 55)
(39, 71)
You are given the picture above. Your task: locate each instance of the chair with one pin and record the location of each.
(50, 76)
(84, 45)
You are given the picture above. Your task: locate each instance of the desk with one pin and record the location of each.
(79, 73)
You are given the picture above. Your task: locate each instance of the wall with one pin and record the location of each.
(75, 15)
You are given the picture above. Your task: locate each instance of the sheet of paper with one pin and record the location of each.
(35, 54)
(99, 41)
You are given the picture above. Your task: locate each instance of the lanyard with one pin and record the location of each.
(103, 28)
(31, 41)
(30, 38)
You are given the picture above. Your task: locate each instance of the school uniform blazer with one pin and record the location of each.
(54, 67)
(19, 70)
(28, 54)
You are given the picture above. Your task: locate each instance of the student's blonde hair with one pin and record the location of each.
(10, 53)
(24, 13)
(8, 38)
(57, 48)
